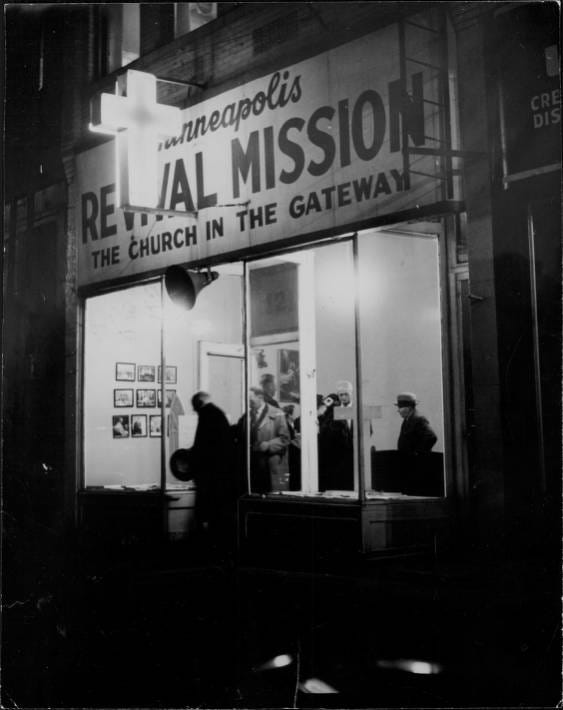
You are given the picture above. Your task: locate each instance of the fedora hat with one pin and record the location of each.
(406, 399)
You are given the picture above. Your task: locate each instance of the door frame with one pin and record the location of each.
(207, 348)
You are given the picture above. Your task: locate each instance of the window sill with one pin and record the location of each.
(342, 496)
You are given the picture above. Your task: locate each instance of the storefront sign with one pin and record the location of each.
(313, 147)
(529, 70)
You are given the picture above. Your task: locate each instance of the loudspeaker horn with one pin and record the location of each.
(183, 286)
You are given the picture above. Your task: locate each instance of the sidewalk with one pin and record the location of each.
(138, 634)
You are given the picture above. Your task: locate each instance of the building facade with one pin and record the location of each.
(362, 198)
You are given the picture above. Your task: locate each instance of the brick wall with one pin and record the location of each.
(249, 41)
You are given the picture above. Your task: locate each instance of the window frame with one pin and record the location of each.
(446, 231)
(453, 436)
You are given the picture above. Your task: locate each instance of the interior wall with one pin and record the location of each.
(330, 286)
(334, 311)
(120, 327)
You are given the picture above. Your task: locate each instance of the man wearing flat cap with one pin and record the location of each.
(416, 436)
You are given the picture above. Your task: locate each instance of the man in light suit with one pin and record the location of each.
(269, 439)
(268, 385)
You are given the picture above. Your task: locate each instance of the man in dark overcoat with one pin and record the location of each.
(414, 445)
(212, 457)
(416, 435)
(336, 441)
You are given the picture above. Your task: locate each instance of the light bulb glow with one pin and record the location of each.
(139, 120)
(280, 661)
(316, 686)
(411, 666)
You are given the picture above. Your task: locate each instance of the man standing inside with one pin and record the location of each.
(336, 441)
(268, 384)
(415, 443)
(416, 436)
(269, 438)
(212, 459)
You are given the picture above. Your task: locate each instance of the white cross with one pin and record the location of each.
(137, 120)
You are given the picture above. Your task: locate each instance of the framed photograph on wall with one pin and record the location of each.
(125, 371)
(155, 425)
(120, 426)
(288, 375)
(146, 373)
(138, 425)
(171, 374)
(122, 398)
(146, 398)
(170, 394)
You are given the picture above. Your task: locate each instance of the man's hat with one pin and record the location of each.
(181, 465)
(344, 386)
(267, 378)
(406, 399)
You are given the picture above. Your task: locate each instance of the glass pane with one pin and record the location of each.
(121, 349)
(401, 352)
(302, 351)
(204, 352)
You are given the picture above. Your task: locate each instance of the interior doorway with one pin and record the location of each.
(222, 375)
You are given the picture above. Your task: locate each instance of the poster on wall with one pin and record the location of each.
(138, 425)
(156, 425)
(120, 427)
(125, 371)
(273, 300)
(170, 394)
(288, 375)
(170, 377)
(529, 73)
(123, 398)
(145, 373)
(146, 398)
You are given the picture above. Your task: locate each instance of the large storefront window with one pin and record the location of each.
(129, 335)
(401, 355)
(326, 426)
(302, 355)
(121, 357)
(337, 336)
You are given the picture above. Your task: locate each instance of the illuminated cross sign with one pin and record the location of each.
(136, 120)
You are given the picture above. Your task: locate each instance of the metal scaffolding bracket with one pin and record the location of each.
(443, 150)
